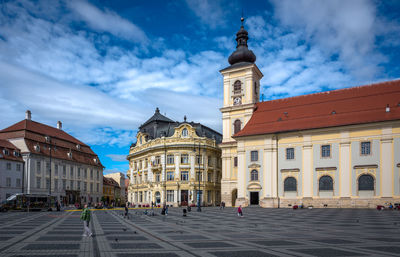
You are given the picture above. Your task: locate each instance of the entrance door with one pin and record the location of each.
(254, 198)
(184, 197)
(158, 198)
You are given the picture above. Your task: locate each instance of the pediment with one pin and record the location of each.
(254, 165)
(254, 186)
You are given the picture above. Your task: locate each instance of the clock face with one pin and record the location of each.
(237, 100)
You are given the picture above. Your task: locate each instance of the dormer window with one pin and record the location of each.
(95, 160)
(17, 154)
(69, 154)
(78, 146)
(6, 152)
(185, 132)
(237, 87)
(47, 138)
(37, 148)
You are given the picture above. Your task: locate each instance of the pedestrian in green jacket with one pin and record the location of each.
(85, 216)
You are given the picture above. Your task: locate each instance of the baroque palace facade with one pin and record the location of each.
(333, 149)
(171, 161)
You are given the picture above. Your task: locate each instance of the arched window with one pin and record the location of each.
(326, 183)
(254, 175)
(237, 126)
(290, 184)
(184, 132)
(237, 87)
(366, 182)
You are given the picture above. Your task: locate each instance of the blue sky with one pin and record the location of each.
(102, 67)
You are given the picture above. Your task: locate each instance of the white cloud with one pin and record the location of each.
(209, 12)
(107, 21)
(117, 157)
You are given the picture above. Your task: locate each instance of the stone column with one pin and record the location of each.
(387, 180)
(241, 190)
(307, 167)
(345, 170)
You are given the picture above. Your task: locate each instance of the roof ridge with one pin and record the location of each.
(333, 91)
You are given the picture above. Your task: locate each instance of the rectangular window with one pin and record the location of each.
(157, 177)
(91, 187)
(157, 160)
(170, 159)
(47, 183)
(235, 162)
(64, 171)
(209, 177)
(64, 184)
(78, 185)
(184, 158)
(199, 159)
(289, 153)
(209, 160)
(71, 171)
(199, 176)
(254, 156)
(185, 175)
(365, 148)
(18, 167)
(37, 182)
(8, 166)
(56, 170)
(8, 182)
(38, 167)
(47, 168)
(209, 196)
(170, 175)
(97, 187)
(79, 172)
(326, 151)
(55, 184)
(170, 195)
(71, 185)
(85, 174)
(91, 174)
(146, 163)
(85, 186)
(18, 182)
(98, 175)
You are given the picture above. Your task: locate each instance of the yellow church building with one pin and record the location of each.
(338, 148)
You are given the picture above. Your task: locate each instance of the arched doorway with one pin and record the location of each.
(158, 198)
(234, 196)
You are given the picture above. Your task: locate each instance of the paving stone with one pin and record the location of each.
(147, 255)
(125, 238)
(188, 237)
(327, 252)
(242, 254)
(210, 245)
(52, 247)
(334, 241)
(274, 242)
(387, 249)
(135, 246)
(59, 238)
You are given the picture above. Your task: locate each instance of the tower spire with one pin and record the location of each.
(242, 53)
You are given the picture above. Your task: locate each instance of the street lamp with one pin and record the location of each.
(199, 176)
(165, 173)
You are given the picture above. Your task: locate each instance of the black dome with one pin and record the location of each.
(242, 53)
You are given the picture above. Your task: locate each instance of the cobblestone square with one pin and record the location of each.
(213, 232)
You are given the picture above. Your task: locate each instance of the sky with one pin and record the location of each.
(102, 67)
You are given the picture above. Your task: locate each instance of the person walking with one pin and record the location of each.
(240, 212)
(85, 216)
(126, 210)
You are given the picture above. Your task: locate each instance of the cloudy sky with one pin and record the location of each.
(102, 67)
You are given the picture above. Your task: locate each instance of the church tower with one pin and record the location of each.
(241, 93)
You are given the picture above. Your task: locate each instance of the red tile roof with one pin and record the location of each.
(6, 145)
(62, 143)
(110, 182)
(357, 105)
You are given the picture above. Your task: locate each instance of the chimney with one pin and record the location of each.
(59, 125)
(28, 115)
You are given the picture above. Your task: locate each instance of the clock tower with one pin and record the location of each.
(241, 93)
